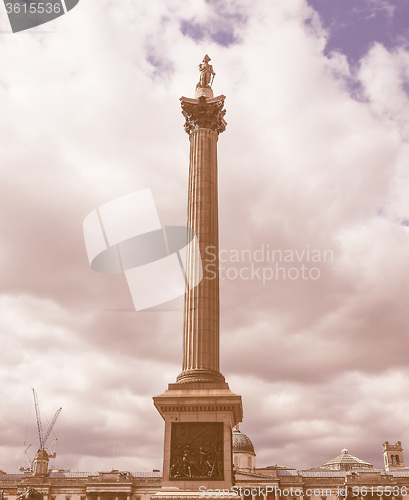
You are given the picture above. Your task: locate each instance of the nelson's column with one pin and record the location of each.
(199, 409)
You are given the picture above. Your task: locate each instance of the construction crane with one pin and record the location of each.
(41, 436)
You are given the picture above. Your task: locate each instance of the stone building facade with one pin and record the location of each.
(344, 477)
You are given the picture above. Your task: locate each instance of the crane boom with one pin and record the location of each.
(42, 437)
(40, 429)
(50, 427)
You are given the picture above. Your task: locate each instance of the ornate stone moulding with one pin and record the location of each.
(205, 113)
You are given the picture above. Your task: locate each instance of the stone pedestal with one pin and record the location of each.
(198, 434)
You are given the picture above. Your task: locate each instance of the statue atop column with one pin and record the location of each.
(206, 73)
(203, 87)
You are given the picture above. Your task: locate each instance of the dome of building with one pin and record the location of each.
(345, 461)
(42, 454)
(40, 466)
(241, 442)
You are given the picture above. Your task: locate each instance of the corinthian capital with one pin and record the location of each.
(204, 113)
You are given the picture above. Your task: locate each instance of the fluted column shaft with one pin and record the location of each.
(201, 320)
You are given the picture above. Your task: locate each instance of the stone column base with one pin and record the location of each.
(198, 435)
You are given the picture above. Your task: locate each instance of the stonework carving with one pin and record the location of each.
(196, 451)
(30, 494)
(200, 113)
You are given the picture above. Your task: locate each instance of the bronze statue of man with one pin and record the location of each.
(206, 73)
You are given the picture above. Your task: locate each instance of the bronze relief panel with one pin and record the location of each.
(196, 451)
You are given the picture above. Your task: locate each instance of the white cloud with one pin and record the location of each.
(91, 112)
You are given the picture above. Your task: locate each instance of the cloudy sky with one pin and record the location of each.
(314, 160)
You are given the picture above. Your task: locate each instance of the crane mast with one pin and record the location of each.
(43, 437)
(40, 428)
